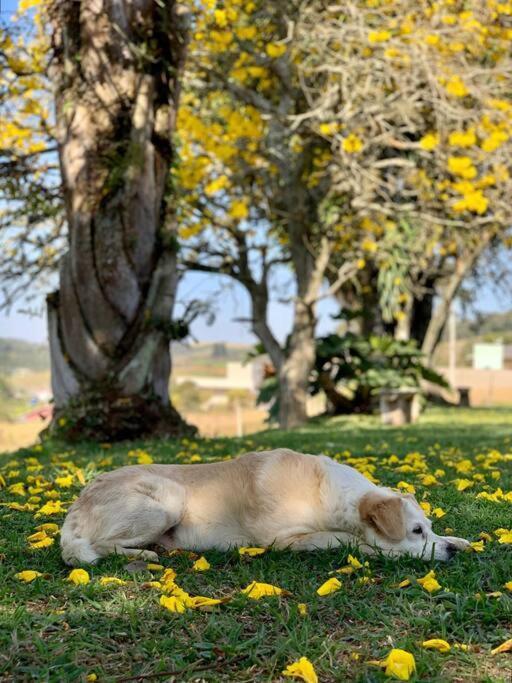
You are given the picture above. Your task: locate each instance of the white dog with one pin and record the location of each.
(279, 498)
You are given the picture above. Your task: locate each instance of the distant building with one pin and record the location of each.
(246, 376)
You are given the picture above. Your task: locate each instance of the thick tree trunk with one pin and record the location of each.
(116, 70)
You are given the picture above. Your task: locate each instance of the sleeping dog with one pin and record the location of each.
(276, 498)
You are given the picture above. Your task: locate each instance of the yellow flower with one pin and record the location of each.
(404, 583)
(79, 577)
(239, 209)
(505, 538)
(28, 575)
(275, 50)
(64, 482)
(199, 601)
(256, 590)
(478, 546)
(154, 567)
(379, 36)
(426, 507)
(455, 86)
(52, 507)
(303, 608)
(354, 562)
(201, 565)
(436, 644)
(111, 581)
(302, 669)
(438, 512)
(369, 245)
(17, 489)
(462, 166)
(352, 144)
(429, 582)
(44, 542)
(429, 141)
(462, 138)
(398, 664)
(252, 552)
(49, 527)
(508, 585)
(463, 484)
(173, 604)
(330, 586)
(504, 647)
(90, 678)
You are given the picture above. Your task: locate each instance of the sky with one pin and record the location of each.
(230, 303)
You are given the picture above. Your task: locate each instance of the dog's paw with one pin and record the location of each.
(147, 555)
(460, 543)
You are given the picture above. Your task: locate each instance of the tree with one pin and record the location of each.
(116, 68)
(416, 103)
(253, 200)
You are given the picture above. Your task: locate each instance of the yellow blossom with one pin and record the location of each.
(172, 603)
(398, 664)
(438, 512)
(477, 546)
(275, 50)
(256, 590)
(429, 141)
(28, 575)
(436, 644)
(303, 608)
(64, 482)
(239, 209)
(302, 669)
(352, 144)
(329, 586)
(504, 647)
(201, 565)
(379, 36)
(429, 582)
(252, 552)
(462, 138)
(111, 581)
(79, 577)
(52, 507)
(455, 86)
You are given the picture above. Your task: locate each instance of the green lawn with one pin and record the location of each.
(53, 630)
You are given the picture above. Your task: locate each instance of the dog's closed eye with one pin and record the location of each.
(418, 529)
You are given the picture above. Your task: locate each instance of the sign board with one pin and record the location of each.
(488, 356)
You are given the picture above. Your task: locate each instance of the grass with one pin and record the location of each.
(53, 630)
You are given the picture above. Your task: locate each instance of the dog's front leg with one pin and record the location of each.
(318, 540)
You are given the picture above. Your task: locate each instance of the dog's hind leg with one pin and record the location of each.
(125, 521)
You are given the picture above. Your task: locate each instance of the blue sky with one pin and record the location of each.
(231, 302)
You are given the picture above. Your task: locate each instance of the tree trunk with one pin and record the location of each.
(116, 70)
(295, 370)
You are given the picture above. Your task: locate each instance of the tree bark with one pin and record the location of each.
(116, 70)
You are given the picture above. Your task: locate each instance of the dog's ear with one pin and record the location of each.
(385, 514)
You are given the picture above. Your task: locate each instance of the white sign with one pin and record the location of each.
(488, 356)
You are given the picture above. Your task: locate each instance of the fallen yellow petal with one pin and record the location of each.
(252, 552)
(111, 581)
(477, 546)
(79, 577)
(198, 601)
(173, 604)
(153, 567)
(50, 528)
(504, 647)
(429, 582)
(404, 583)
(28, 575)
(508, 585)
(302, 669)
(201, 565)
(303, 609)
(256, 590)
(330, 586)
(399, 664)
(436, 644)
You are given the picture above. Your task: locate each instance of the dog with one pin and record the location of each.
(276, 498)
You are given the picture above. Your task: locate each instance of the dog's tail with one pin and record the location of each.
(76, 550)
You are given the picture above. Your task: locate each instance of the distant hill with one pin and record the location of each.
(15, 354)
(491, 324)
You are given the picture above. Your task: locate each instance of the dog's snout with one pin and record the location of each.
(451, 549)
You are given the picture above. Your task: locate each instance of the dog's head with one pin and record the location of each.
(397, 524)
